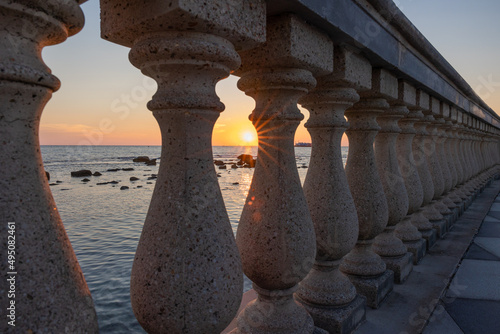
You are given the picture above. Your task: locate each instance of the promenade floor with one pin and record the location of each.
(456, 287)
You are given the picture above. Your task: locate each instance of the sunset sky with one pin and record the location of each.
(103, 97)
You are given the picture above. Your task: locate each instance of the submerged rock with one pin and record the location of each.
(81, 173)
(141, 158)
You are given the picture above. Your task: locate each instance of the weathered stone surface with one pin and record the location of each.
(51, 293)
(276, 235)
(240, 22)
(326, 293)
(186, 276)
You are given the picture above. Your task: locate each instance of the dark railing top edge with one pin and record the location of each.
(391, 12)
(346, 20)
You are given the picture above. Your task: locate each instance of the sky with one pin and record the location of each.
(102, 100)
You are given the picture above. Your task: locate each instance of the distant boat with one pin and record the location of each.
(300, 144)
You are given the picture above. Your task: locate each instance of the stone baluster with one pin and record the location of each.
(459, 164)
(450, 199)
(187, 275)
(443, 161)
(467, 155)
(365, 268)
(51, 295)
(450, 157)
(420, 150)
(463, 158)
(326, 293)
(406, 231)
(435, 206)
(276, 235)
(391, 249)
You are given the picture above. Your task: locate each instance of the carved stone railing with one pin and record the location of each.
(317, 255)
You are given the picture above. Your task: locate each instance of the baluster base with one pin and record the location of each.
(374, 289)
(417, 248)
(338, 320)
(440, 227)
(401, 266)
(430, 237)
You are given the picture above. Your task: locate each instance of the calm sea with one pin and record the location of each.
(104, 223)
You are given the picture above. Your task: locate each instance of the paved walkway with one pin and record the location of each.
(456, 287)
(471, 303)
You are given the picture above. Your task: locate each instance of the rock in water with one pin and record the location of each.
(85, 180)
(141, 158)
(246, 159)
(81, 173)
(133, 178)
(123, 188)
(97, 174)
(47, 174)
(218, 162)
(151, 162)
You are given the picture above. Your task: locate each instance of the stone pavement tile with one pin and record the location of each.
(495, 207)
(476, 252)
(456, 241)
(491, 219)
(408, 306)
(491, 245)
(489, 230)
(476, 279)
(441, 322)
(494, 214)
(475, 316)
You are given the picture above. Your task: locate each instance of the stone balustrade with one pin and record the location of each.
(317, 255)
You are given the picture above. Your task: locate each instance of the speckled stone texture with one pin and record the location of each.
(51, 294)
(362, 264)
(276, 235)
(406, 231)
(326, 293)
(187, 274)
(420, 157)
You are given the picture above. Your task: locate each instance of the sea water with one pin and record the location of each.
(104, 223)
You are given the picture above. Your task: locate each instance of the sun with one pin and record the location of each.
(248, 137)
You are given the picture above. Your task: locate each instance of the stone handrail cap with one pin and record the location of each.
(242, 22)
(291, 43)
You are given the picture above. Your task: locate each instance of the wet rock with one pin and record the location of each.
(139, 186)
(149, 182)
(59, 181)
(113, 182)
(141, 158)
(47, 174)
(133, 178)
(219, 162)
(127, 169)
(101, 183)
(246, 159)
(236, 183)
(96, 174)
(223, 167)
(85, 180)
(113, 169)
(123, 188)
(53, 184)
(234, 166)
(151, 162)
(81, 173)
